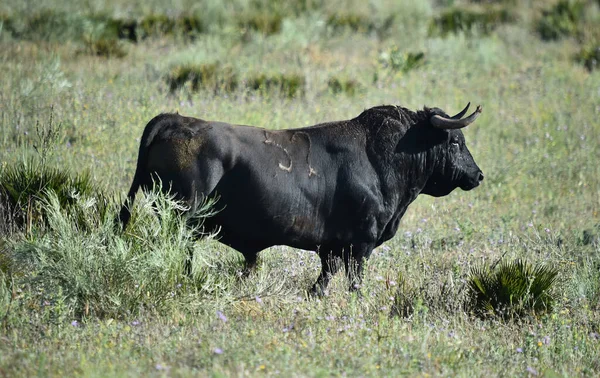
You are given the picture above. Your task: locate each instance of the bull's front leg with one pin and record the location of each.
(329, 266)
(354, 261)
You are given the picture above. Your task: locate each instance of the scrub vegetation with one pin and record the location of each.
(504, 279)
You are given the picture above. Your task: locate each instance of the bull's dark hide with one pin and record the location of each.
(338, 188)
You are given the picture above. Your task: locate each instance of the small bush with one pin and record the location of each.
(513, 289)
(359, 23)
(346, 86)
(205, 76)
(354, 22)
(125, 29)
(562, 20)
(395, 59)
(156, 25)
(25, 186)
(589, 57)
(287, 85)
(108, 48)
(102, 272)
(263, 22)
(466, 20)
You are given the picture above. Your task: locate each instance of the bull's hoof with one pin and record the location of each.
(318, 292)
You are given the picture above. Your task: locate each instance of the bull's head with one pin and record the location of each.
(455, 165)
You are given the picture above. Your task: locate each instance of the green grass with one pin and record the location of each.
(78, 297)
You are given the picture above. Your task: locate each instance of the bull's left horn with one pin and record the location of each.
(462, 112)
(450, 124)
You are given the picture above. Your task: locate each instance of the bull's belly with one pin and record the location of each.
(239, 227)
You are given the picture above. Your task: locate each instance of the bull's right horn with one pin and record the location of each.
(451, 124)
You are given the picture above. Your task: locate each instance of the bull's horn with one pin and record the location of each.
(449, 123)
(462, 112)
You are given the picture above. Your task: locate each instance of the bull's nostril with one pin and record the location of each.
(480, 176)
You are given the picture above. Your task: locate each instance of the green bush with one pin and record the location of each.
(263, 22)
(455, 20)
(290, 86)
(589, 57)
(347, 86)
(512, 289)
(204, 76)
(396, 59)
(25, 186)
(102, 272)
(562, 20)
(108, 48)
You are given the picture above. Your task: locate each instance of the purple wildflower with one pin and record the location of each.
(532, 371)
(546, 340)
(519, 350)
(222, 316)
(135, 323)
(218, 351)
(75, 323)
(258, 300)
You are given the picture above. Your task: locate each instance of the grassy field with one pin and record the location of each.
(80, 80)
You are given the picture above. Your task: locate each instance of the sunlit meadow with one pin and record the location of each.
(79, 80)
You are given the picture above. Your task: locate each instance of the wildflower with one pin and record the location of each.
(218, 351)
(257, 299)
(546, 340)
(594, 335)
(519, 350)
(161, 367)
(135, 323)
(532, 371)
(222, 316)
(329, 317)
(75, 323)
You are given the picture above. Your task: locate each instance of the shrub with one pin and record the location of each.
(264, 22)
(512, 289)
(287, 85)
(352, 21)
(25, 186)
(108, 48)
(205, 76)
(395, 59)
(122, 29)
(466, 20)
(562, 20)
(589, 57)
(359, 23)
(347, 86)
(156, 25)
(103, 272)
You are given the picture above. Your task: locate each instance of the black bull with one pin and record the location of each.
(338, 188)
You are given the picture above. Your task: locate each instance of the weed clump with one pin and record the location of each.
(396, 60)
(204, 76)
(342, 85)
(105, 47)
(263, 22)
(467, 20)
(512, 289)
(589, 57)
(359, 23)
(562, 20)
(24, 187)
(290, 86)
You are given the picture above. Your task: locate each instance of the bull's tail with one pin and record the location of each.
(141, 176)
